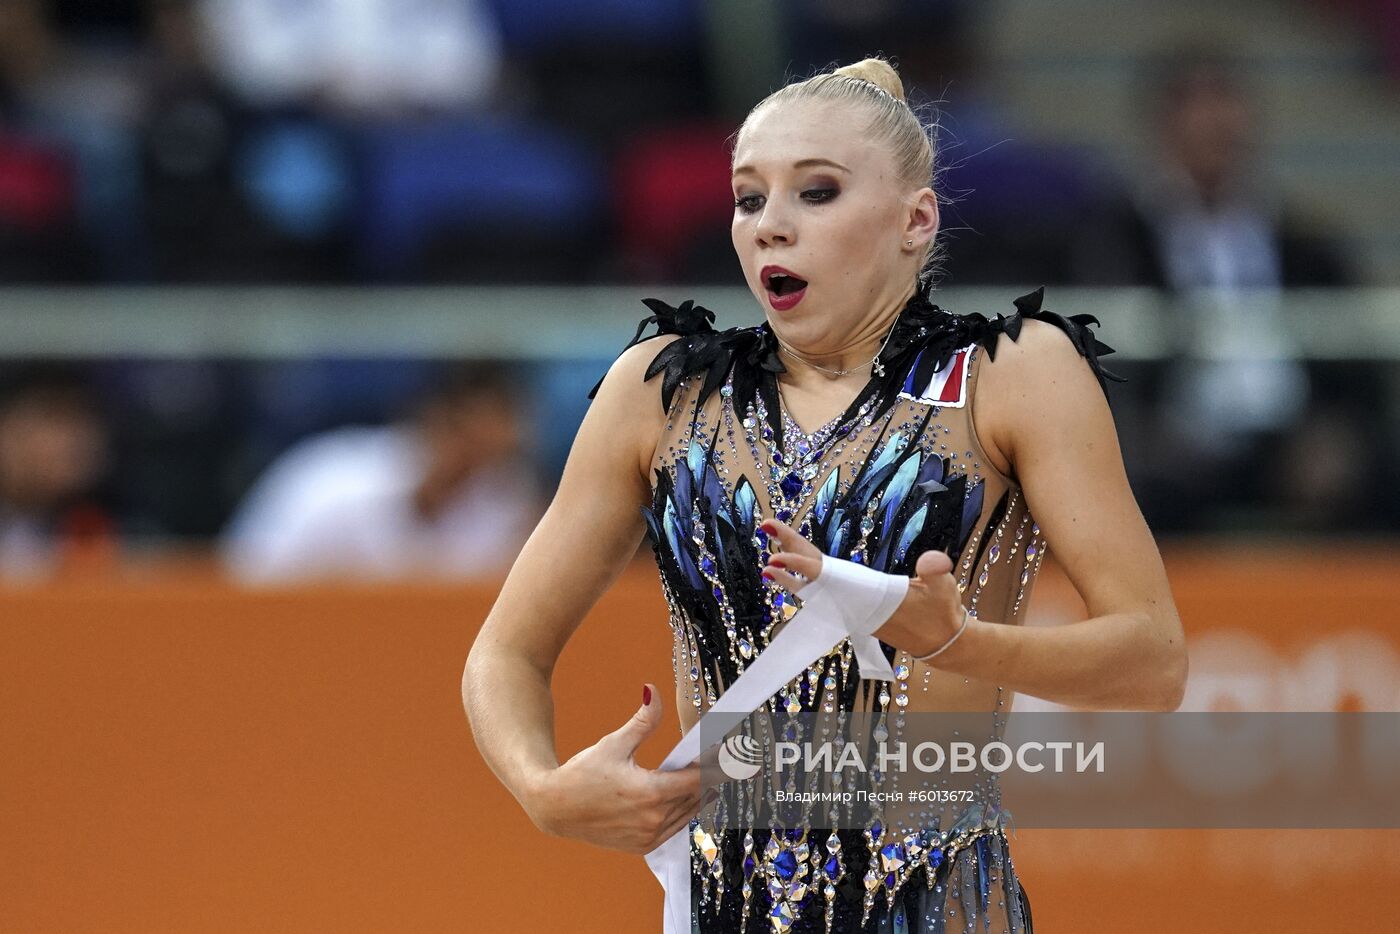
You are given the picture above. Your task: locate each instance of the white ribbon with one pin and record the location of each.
(845, 601)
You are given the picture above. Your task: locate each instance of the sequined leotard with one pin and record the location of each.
(901, 471)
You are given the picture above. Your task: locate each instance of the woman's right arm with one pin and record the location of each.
(586, 537)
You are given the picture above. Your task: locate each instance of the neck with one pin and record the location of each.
(857, 355)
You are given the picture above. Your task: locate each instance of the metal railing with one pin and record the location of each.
(594, 321)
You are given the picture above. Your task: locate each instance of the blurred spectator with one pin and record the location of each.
(178, 426)
(355, 56)
(53, 455)
(443, 494)
(234, 194)
(1206, 212)
(1208, 224)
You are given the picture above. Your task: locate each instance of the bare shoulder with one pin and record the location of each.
(1047, 413)
(628, 407)
(1035, 379)
(594, 513)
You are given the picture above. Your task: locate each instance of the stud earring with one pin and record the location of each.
(910, 242)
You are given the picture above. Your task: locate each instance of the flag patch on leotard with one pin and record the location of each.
(946, 387)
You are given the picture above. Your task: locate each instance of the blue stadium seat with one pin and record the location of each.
(530, 24)
(491, 175)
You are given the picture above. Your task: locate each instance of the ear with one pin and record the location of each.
(921, 221)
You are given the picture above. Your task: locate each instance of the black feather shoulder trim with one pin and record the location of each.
(702, 349)
(977, 328)
(1075, 326)
(924, 338)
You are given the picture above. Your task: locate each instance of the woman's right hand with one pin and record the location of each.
(603, 796)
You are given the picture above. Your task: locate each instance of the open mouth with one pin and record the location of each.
(782, 284)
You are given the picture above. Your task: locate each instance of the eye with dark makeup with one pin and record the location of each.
(819, 195)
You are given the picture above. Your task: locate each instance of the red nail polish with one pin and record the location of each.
(767, 576)
(776, 563)
(646, 695)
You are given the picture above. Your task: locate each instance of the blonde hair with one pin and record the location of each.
(873, 85)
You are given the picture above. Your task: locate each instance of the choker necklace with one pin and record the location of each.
(879, 369)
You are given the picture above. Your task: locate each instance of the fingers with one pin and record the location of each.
(678, 783)
(681, 816)
(685, 810)
(687, 805)
(670, 800)
(785, 579)
(792, 555)
(789, 539)
(933, 563)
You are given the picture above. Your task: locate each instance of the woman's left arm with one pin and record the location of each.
(1040, 405)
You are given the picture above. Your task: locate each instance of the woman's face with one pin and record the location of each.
(839, 227)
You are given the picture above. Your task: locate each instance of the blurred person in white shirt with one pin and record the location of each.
(444, 494)
(359, 56)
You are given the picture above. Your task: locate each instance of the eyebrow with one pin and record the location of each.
(799, 164)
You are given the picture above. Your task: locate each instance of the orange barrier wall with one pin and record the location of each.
(177, 755)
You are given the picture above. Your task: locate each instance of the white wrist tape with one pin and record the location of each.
(846, 601)
(859, 600)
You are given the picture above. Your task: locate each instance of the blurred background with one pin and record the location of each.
(300, 304)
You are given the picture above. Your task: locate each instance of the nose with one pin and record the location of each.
(774, 226)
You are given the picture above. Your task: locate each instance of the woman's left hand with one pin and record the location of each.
(932, 609)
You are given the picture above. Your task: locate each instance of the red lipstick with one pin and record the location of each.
(785, 288)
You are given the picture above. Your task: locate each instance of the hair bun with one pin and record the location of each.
(879, 73)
